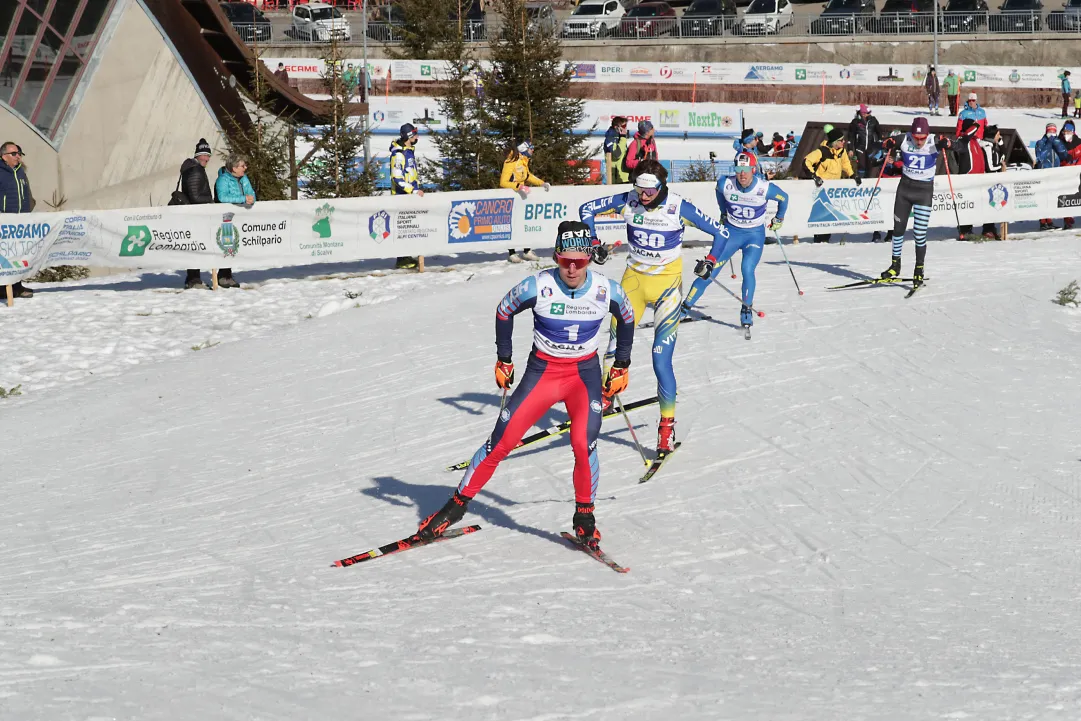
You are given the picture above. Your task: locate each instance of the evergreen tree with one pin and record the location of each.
(262, 138)
(528, 96)
(427, 25)
(470, 157)
(334, 168)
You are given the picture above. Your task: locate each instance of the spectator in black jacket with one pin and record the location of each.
(196, 187)
(864, 139)
(15, 195)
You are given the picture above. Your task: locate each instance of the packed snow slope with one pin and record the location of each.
(874, 515)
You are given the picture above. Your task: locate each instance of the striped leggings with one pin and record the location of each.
(915, 197)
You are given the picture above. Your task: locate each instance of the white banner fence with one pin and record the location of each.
(293, 233)
(810, 74)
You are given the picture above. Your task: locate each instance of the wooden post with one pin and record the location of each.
(1005, 226)
(11, 296)
(795, 240)
(213, 278)
(420, 263)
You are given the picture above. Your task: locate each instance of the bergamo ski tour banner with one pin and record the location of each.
(300, 232)
(598, 71)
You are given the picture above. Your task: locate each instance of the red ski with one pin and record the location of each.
(403, 545)
(595, 553)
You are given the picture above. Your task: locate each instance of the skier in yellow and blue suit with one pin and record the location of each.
(403, 175)
(656, 219)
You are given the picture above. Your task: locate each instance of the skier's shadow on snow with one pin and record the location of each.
(478, 404)
(831, 269)
(429, 499)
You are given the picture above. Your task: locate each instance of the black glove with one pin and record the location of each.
(704, 268)
(858, 179)
(943, 143)
(600, 253)
(888, 144)
(818, 181)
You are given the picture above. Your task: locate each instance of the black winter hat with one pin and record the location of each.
(202, 148)
(834, 135)
(407, 131)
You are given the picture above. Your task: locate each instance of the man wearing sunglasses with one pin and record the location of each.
(569, 305)
(915, 193)
(655, 221)
(742, 199)
(15, 195)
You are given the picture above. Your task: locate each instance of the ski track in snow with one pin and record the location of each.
(874, 513)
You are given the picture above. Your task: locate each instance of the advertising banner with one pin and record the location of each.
(715, 120)
(300, 232)
(594, 71)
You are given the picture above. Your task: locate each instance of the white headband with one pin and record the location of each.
(524, 146)
(647, 181)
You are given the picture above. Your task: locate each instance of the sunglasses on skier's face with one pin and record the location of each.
(743, 168)
(919, 138)
(574, 263)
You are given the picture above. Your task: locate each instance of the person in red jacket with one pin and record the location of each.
(1069, 138)
(643, 147)
(968, 154)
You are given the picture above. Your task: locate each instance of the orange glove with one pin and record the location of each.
(504, 374)
(616, 382)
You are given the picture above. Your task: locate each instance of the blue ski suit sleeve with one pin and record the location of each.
(621, 310)
(517, 299)
(692, 216)
(601, 205)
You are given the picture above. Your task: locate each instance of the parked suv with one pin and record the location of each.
(593, 19)
(1068, 19)
(844, 17)
(319, 21)
(648, 20)
(964, 16)
(765, 17)
(248, 21)
(706, 18)
(1017, 16)
(906, 16)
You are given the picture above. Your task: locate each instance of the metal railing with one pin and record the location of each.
(988, 23)
(254, 32)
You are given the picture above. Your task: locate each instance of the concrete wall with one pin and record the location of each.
(139, 117)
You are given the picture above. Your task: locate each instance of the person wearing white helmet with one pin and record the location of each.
(656, 220)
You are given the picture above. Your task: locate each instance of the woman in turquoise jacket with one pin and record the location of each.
(232, 185)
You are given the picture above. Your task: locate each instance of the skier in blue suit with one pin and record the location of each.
(742, 199)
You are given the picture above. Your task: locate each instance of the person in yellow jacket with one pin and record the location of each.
(830, 162)
(516, 176)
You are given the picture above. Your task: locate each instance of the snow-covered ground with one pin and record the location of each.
(874, 515)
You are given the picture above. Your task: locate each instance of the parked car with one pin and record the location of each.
(648, 20)
(906, 16)
(248, 21)
(1017, 16)
(1068, 19)
(540, 19)
(708, 18)
(765, 17)
(318, 22)
(844, 17)
(593, 19)
(964, 16)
